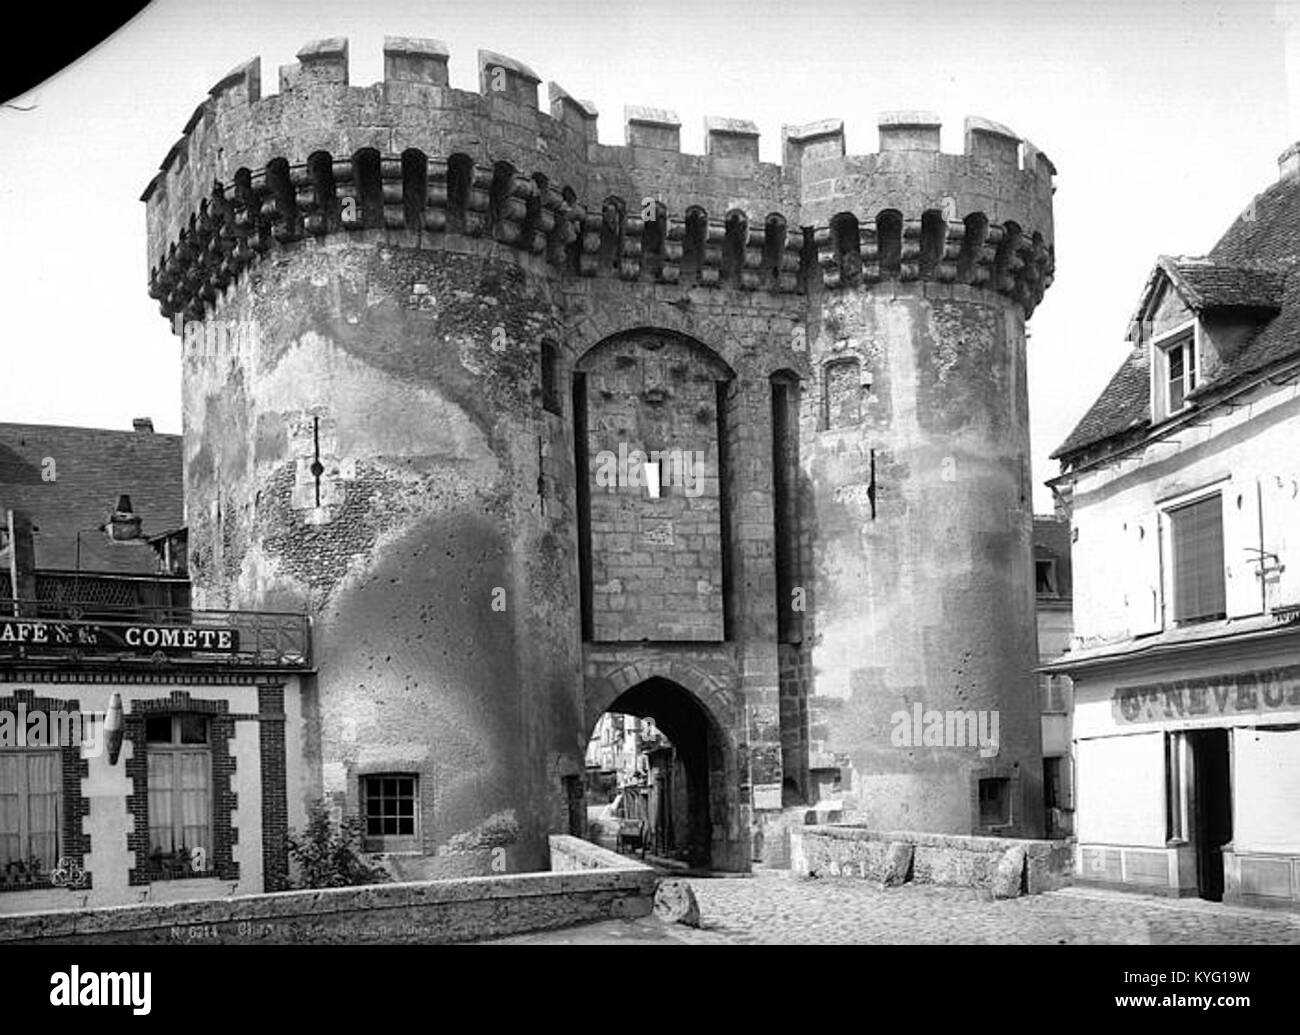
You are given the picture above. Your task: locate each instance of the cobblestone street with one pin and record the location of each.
(772, 908)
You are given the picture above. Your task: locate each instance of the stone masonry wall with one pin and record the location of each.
(969, 862)
(588, 884)
(656, 563)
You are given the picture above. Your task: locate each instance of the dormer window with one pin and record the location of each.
(1175, 370)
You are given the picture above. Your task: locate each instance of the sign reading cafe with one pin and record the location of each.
(91, 637)
(1240, 693)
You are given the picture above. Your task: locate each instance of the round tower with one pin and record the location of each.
(917, 465)
(432, 341)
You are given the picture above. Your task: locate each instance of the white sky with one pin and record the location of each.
(1163, 119)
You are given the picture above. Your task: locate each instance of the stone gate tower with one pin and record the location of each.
(435, 343)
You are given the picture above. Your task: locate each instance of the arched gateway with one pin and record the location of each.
(697, 718)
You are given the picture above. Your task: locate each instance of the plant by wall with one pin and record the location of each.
(328, 855)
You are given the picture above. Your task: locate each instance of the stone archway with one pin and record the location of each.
(699, 718)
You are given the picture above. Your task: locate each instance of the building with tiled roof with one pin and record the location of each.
(70, 481)
(142, 742)
(1183, 484)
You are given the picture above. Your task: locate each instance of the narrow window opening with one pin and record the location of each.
(995, 801)
(733, 252)
(415, 184)
(934, 239)
(582, 467)
(697, 222)
(460, 177)
(370, 187)
(889, 238)
(550, 378)
(848, 245)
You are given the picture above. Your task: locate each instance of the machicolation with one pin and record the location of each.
(413, 156)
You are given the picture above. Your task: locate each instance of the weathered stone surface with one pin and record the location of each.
(971, 862)
(675, 901)
(898, 864)
(1010, 873)
(604, 885)
(389, 445)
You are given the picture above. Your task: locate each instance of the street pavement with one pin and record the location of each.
(772, 907)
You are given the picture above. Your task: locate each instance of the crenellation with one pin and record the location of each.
(909, 131)
(388, 160)
(501, 76)
(652, 128)
(241, 85)
(410, 60)
(731, 139)
(988, 141)
(195, 118)
(321, 63)
(812, 142)
(578, 115)
(1037, 163)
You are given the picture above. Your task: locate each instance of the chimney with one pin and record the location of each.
(124, 525)
(143, 424)
(21, 560)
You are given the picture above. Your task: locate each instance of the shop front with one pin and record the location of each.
(1187, 759)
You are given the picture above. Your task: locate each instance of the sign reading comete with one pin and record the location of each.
(91, 638)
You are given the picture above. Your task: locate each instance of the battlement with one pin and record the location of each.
(413, 154)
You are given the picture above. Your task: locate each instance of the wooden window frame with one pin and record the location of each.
(176, 749)
(40, 879)
(1185, 336)
(390, 843)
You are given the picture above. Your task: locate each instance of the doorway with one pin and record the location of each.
(1211, 807)
(658, 752)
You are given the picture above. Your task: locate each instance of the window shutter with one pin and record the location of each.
(1282, 535)
(1241, 548)
(1141, 577)
(1197, 558)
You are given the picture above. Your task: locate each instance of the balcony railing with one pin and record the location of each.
(98, 592)
(81, 630)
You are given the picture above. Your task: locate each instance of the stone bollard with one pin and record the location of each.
(1011, 868)
(897, 864)
(675, 901)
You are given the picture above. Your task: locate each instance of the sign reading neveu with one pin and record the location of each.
(1243, 693)
(90, 637)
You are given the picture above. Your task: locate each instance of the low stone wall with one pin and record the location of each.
(586, 883)
(969, 862)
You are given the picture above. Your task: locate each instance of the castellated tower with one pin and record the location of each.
(432, 343)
